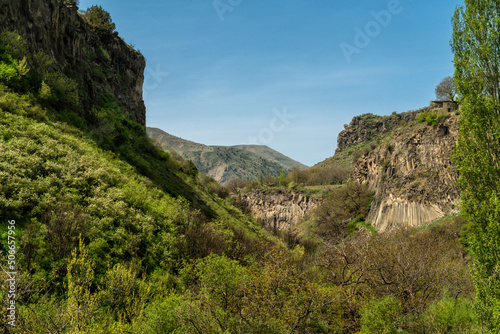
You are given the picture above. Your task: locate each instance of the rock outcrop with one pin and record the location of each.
(99, 65)
(412, 175)
(365, 127)
(279, 209)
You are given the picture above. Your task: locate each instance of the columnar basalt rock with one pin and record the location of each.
(279, 209)
(412, 175)
(56, 28)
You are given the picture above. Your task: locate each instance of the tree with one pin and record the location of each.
(282, 177)
(446, 90)
(100, 19)
(475, 44)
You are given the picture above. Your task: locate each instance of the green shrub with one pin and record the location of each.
(432, 117)
(381, 315)
(352, 225)
(12, 71)
(103, 54)
(162, 316)
(64, 91)
(451, 315)
(123, 293)
(13, 44)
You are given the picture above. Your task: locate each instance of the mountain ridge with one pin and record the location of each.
(226, 162)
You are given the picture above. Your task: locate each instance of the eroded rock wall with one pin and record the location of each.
(56, 28)
(412, 175)
(279, 209)
(365, 127)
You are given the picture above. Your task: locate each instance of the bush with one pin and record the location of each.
(432, 117)
(162, 317)
(381, 315)
(13, 44)
(451, 315)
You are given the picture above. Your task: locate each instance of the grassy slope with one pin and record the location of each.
(56, 181)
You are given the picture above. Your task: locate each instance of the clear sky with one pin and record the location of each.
(286, 74)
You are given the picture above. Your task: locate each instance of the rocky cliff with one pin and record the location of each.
(99, 65)
(412, 175)
(365, 127)
(279, 209)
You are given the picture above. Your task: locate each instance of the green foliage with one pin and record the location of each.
(451, 315)
(352, 226)
(103, 54)
(22, 105)
(59, 90)
(100, 19)
(12, 71)
(282, 178)
(433, 118)
(99, 191)
(163, 252)
(475, 46)
(163, 316)
(52, 87)
(123, 294)
(381, 316)
(81, 301)
(13, 44)
(225, 297)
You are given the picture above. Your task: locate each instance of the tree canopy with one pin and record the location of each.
(475, 43)
(100, 19)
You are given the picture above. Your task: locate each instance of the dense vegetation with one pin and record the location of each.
(114, 235)
(475, 45)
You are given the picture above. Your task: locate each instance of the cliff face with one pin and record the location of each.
(412, 176)
(99, 66)
(280, 209)
(365, 127)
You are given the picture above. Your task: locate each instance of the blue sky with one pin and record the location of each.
(286, 74)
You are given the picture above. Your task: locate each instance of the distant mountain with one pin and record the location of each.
(225, 162)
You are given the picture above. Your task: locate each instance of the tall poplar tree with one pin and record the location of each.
(476, 48)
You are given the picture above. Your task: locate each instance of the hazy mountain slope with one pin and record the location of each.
(272, 155)
(225, 162)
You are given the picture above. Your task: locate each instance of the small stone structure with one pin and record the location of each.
(448, 106)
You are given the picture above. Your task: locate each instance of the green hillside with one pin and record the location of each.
(103, 232)
(226, 162)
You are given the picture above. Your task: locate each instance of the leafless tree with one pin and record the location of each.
(447, 89)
